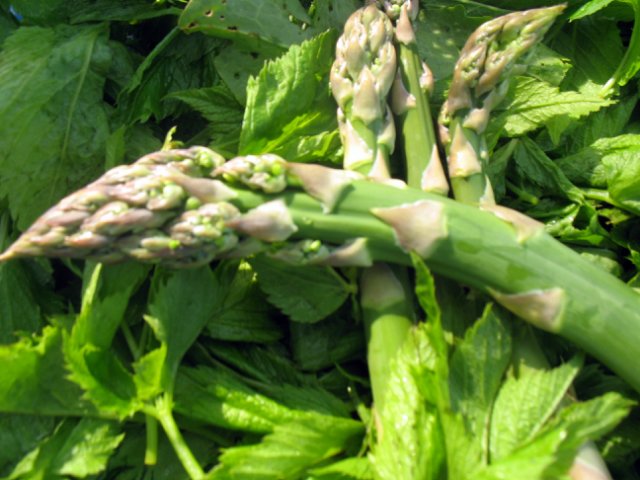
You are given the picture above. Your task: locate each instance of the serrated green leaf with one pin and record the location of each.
(292, 449)
(77, 448)
(271, 24)
(53, 115)
(551, 453)
(526, 403)
(531, 104)
(37, 381)
(290, 111)
(305, 294)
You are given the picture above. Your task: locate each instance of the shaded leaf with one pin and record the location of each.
(54, 120)
(306, 294)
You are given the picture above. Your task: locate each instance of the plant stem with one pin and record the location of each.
(161, 410)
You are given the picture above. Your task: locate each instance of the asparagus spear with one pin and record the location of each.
(479, 84)
(497, 250)
(410, 102)
(386, 313)
(361, 78)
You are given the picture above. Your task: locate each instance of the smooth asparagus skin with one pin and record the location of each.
(479, 84)
(496, 250)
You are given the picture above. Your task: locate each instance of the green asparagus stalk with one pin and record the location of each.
(387, 317)
(385, 310)
(361, 78)
(410, 103)
(480, 82)
(494, 249)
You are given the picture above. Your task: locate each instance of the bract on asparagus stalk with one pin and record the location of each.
(479, 84)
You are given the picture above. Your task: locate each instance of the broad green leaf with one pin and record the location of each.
(526, 403)
(305, 294)
(179, 62)
(476, 369)
(292, 449)
(36, 382)
(53, 115)
(241, 312)
(531, 104)
(180, 305)
(217, 397)
(290, 110)
(408, 423)
(76, 448)
(20, 434)
(264, 26)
